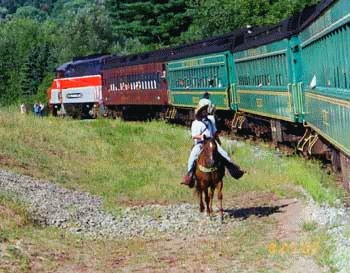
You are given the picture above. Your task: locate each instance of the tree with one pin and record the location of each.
(84, 32)
(31, 12)
(25, 57)
(152, 21)
(209, 20)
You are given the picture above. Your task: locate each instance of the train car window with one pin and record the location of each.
(265, 71)
(211, 83)
(128, 78)
(149, 85)
(150, 81)
(205, 82)
(146, 81)
(195, 79)
(201, 83)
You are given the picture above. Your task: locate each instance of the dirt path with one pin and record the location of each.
(254, 222)
(261, 233)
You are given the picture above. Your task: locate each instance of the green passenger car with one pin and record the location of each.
(189, 78)
(267, 78)
(326, 68)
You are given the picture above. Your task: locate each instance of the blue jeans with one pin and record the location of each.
(197, 149)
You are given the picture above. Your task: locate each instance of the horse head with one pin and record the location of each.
(209, 151)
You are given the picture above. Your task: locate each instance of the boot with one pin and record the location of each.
(234, 170)
(188, 179)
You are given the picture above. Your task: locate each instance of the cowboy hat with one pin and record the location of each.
(202, 104)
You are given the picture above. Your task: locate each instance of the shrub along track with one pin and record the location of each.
(177, 233)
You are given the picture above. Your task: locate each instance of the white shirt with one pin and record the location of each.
(204, 127)
(23, 108)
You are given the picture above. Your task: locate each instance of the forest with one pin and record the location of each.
(38, 36)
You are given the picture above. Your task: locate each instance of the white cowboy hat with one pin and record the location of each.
(202, 104)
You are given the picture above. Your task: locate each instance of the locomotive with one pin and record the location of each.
(289, 82)
(77, 87)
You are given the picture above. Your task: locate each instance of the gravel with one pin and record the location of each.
(81, 213)
(336, 222)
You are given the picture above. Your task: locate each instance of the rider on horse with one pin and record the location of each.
(204, 125)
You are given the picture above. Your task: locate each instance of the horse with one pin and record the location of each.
(209, 172)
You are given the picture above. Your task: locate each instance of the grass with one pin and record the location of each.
(310, 226)
(139, 161)
(269, 172)
(143, 162)
(109, 158)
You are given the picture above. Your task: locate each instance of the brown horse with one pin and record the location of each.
(209, 173)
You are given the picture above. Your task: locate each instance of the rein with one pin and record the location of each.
(207, 170)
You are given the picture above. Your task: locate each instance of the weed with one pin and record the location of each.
(346, 233)
(4, 235)
(310, 226)
(13, 250)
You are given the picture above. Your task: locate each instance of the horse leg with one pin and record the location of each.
(207, 201)
(220, 196)
(201, 205)
(211, 195)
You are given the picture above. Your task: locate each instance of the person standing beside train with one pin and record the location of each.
(42, 106)
(23, 108)
(36, 109)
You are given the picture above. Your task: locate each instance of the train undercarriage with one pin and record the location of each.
(74, 110)
(136, 112)
(299, 138)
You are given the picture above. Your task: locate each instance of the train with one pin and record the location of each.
(289, 82)
(77, 88)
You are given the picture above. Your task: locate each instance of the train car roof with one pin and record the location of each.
(115, 61)
(209, 45)
(82, 60)
(82, 66)
(63, 67)
(317, 12)
(259, 36)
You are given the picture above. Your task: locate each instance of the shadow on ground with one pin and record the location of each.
(245, 213)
